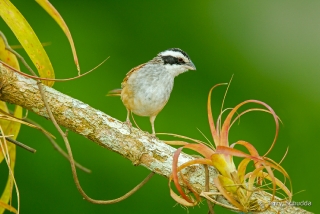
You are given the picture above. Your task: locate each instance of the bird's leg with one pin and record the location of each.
(128, 123)
(152, 118)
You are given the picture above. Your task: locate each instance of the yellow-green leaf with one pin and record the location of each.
(8, 207)
(45, 4)
(4, 123)
(7, 193)
(12, 128)
(8, 57)
(28, 39)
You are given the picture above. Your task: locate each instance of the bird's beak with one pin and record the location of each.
(190, 66)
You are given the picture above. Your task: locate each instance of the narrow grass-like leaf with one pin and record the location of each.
(210, 117)
(225, 194)
(226, 124)
(13, 129)
(278, 183)
(175, 178)
(242, 167)
(200, 148)
(236, 152)
(175, 175)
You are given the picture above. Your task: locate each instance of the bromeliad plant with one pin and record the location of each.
(234, 183)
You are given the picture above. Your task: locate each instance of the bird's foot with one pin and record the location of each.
(153, 136)
(129, 124)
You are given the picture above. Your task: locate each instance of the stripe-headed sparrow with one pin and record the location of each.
(146, 88)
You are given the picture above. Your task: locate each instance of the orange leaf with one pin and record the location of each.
(175, 175)
(210, 117)
(235, 152)
(278, 183)
(176, 170)
(252, 150)
(226, 124)
(200, 148)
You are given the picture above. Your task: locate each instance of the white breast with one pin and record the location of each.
(152, 86)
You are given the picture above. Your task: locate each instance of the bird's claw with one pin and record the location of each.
(129, 124)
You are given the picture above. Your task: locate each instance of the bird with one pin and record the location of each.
(146, 88)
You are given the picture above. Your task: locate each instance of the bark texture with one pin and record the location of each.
(137, 146)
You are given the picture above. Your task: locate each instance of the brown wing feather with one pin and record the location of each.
(124, 82)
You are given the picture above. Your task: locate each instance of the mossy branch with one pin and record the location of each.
(137, 146)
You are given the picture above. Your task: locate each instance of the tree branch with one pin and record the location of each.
(137, 146)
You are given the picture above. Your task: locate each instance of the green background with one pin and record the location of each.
(271, 47)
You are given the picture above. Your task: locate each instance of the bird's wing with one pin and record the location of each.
(124, 82)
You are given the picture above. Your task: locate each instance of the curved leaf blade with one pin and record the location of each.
(52, 11)
(28, 39)
(12, 128)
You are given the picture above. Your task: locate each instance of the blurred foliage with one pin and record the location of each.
(271, 47)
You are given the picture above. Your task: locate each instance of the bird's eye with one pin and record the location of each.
(180, 60)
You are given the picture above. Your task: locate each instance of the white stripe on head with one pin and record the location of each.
(175, 54)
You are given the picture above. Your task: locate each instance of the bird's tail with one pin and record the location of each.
(114, 92)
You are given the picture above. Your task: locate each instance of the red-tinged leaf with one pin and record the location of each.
(200, 148)
(273, 179)
(235, 152)
(180, 200)
(278, 183)
(176, 170)
(250, 110)
(28, 39)
(175, 175)
(45, 4)
(242, 167)
(196, 161)
(252, 150)
(219, 121)
(225, 194)
(210, 117)
(226, 125)
(276, 166)
(190, 188)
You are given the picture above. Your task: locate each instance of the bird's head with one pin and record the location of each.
(176, 61)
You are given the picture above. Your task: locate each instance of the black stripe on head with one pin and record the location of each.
(179, 50)
(172, 60)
